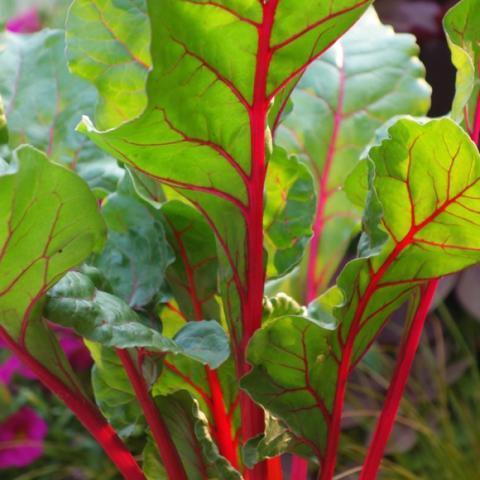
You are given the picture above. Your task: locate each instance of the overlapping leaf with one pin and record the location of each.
(103, 318)
(44, 102)
(422, 221)
(216, 67)
(339, 103)
(136, 255)
(108, 44)
(461, 26)
(43, 234)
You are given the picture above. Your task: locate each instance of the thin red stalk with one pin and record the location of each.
(83, 409)
(323, 193)
(397, 386)
(167, 449)
(224, 435)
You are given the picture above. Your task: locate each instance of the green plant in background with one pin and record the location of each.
(160, 263)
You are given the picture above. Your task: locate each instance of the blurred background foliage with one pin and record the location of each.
(437, 435)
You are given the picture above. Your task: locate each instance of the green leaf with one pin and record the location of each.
(103, 318)
(339, 103)
(114, 393)
(204, 132)
(108, 44)
(289, 212)
(288, 357)
(43, 234)
(44, 102)
(189, 430)
(426, 181)
(463, 36)
(137, 254)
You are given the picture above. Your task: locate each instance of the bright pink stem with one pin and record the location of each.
(299, 469)
(83, 409)
(399, 380)
(167, 449)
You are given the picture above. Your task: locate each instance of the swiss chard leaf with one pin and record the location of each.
(461, 26)
(44, 102)
(227, 61)
(108, 45)
(103, 318)
(43, 234)
(426, 196)
(338, 104)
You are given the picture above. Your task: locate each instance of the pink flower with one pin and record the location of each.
(74, 348)
(21, 438)
(26, 22)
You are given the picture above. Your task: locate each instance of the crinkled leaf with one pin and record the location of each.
(426, 179)
(108, 44)
(43, 234)
(339, 103)
(137, 253)
(226, 62)
(44, 102)
(189, 430)
(461, 25)
(103, 318)
(289, 212)
(114, 392)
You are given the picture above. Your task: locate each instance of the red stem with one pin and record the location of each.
(253, 422)
(397, 386)
(83, 409)
(167, 449)
(299, 470)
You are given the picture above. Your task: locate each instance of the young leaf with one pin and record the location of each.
(463, 36)
(339, 103)
(137, 254)
(44, 112)
(425, 178)
(42, 235)
(108, 45)
(114, 393)
(289, 212)
(103, 318)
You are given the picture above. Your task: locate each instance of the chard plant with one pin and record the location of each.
(254, 139)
